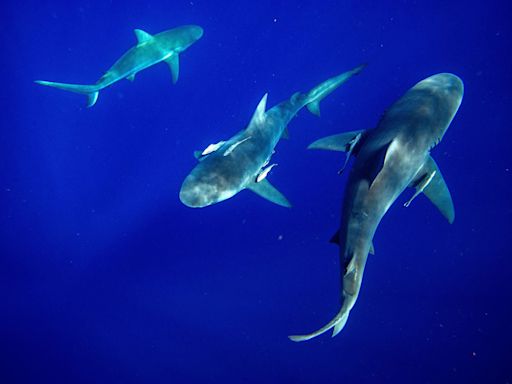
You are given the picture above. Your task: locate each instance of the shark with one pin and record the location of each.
(391, 157)
(244, 161)
(165, 46)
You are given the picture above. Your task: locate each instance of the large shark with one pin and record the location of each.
(393, 156)
(242, 162)
(150, 50)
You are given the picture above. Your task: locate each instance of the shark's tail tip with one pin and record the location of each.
(298, 338)
(359, 68)
(336, 324)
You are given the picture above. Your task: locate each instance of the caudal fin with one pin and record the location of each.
(337, 323)
(351, 285)
(317, 94)
(91, 91)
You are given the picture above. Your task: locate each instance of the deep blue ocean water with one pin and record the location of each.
(105, 277)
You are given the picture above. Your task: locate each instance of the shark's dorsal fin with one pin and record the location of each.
(295, 97)
(174, 65)
(435, 189)
(269, 192)
(142, 36)
(259, 114)
(377, 161)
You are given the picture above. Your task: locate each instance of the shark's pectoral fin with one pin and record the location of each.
(430, 181)
(142, 36)
(345, 142)
(269, 192)
(174, 65)
(131, 77)
(341, 142)
(335, 239)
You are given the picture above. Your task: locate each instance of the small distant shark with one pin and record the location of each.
(393, 156)
(242, 162)
(150, 50)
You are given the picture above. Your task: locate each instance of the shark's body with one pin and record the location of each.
(150, 50)
(226, 168)
(393, 156)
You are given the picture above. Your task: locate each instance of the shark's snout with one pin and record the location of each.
(197, 194)
(197, 32)
(448, 83)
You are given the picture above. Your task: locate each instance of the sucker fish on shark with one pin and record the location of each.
(393, 156)
(150, 50)
(226, 168)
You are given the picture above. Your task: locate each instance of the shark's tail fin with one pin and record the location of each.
(91, 91)
(351, 285)
(317, 94)
(337, 323)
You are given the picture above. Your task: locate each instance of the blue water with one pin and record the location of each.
(105, 277)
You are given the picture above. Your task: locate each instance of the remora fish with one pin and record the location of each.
(150, 50)
(393, 156)
(227, 167)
